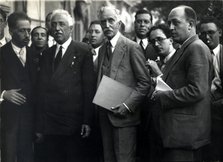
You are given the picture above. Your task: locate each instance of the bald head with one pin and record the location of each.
(182, 22)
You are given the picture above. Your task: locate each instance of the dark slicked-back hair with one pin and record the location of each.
(210, 19)
(144, 11)
(39, 27)
(190, 14)
(164, 27)
(95, 22)
(15, 16)
(3, 14)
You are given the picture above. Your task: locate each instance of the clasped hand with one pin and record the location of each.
(14, 96)
(119, 110)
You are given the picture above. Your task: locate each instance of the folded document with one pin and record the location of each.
(111, 93)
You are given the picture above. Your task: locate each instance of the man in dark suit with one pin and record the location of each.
(185, 110)
(122, 60)
(143, 23)
(210, 32)
(66, 89)
(17, 71)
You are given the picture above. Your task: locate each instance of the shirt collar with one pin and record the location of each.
(3, 41)
(169, 56)
(114, 40)
(64, 46)
(216, 50)
(17, 49)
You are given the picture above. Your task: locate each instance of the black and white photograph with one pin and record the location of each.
(111, 81)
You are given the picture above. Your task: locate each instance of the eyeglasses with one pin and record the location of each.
(158, 40)
(209, 33)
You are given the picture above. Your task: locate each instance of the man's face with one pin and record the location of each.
(48, 22)
(110, 23)
(60, 28)
(142, 25)
(21, 33)
(210, 34)
(96, 35)
(39, 37)
(160, 42)
(2, 24)
(179, 25)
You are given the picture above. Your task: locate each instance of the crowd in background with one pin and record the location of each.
(174, 69)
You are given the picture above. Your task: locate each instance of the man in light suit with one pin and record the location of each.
(185, 110)
(18, 76)
(122, 60)
(66, 89)
(210, 32)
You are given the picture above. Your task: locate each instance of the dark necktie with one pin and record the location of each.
(141, 44)
(109, 50)
(58, 58)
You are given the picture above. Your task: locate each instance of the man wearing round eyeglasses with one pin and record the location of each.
(160, 38)
(210, 33)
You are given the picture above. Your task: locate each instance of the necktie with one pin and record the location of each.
(22, 56)
(109, 50)
(58, 58)
(141, 44)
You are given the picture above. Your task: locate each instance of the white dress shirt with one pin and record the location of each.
(216, 82)
(64, 47)
(144, 42)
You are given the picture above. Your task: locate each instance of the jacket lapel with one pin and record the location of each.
(176, 57)
(118, 54)
(65, 61)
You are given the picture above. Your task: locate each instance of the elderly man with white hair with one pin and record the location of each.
(65, 93)
(122, 60)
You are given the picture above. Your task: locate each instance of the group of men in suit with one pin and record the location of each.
(58, 102)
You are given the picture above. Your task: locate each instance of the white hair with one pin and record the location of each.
(116, 11)
(63, 12)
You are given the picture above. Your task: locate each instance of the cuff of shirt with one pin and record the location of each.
(127, 107)
(1, 97)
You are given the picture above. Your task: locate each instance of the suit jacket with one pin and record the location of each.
(149, 52)
(185, 118)
(15, 76)
(127, 67)
(65, 94)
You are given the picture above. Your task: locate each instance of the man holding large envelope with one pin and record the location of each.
(121, 60)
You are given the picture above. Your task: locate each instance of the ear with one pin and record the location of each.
(191, 24)
(71, 27)
(220, 32)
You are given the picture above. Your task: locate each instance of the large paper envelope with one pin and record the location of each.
(111, 93)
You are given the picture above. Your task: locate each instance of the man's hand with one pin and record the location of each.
(155, 95)
(120, 110)
(85, 130)
(156, 70)
(14, 96)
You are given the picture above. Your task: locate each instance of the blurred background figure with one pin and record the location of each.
(210, 32)
(39, 38)
(3, 23)
(51, 40)
(97, 39)
(143, 23)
